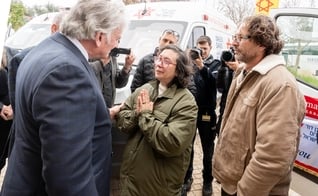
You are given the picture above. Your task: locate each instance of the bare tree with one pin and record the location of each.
(290, 3)
(132, 1)
(236, 10)
(298, 3)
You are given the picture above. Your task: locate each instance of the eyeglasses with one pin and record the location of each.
(173, 32)
(164, 61)
(239, 37)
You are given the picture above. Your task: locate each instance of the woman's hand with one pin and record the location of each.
(143, 102)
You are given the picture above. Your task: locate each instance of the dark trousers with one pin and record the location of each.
(223, 193)
(4, 134)
(207, 134)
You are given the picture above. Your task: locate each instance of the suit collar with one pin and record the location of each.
(67, 43)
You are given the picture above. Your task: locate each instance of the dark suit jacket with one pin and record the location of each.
(13, 66)
(5, 125)
(63, 130)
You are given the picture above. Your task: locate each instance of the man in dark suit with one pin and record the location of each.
(63, 129)
(16, 58)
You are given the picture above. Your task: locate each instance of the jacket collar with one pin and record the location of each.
(268, 63)
(169, 93)
(263, 67)
(208, 60)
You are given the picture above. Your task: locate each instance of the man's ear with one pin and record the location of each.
(99, 38)
(54, 28)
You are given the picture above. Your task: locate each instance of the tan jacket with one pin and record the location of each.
(260, 131)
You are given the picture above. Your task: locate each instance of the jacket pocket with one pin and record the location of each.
(230, 162)
(246, 108)
(250, 101)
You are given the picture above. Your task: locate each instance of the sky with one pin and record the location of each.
(63, 3)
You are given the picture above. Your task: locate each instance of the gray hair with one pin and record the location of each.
(59, 17)
(90, 16)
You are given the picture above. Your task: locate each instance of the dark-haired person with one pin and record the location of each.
(259, 135)
(160, 119)
(206, 98)
(145, 68)
(110, 77)
(6, 112)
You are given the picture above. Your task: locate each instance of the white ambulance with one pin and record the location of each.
(189, 19)
(147, 21)
(299, 29)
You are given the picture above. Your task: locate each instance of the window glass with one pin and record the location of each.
(143, 36)
(301, 47)
(196, 33)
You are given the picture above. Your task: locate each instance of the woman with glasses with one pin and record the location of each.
(145, 69)
(160, 119)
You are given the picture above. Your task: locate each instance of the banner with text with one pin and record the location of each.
(307, 157)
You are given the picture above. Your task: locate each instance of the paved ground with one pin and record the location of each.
(197, 175)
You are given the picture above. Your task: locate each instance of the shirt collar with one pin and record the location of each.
(79, 46)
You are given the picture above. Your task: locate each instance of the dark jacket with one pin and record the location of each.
(223, 82)
(145, 72)
(13, 66)
(109, 78)
(205, 84)
(63, 129)
(4, 124)
(4, 94)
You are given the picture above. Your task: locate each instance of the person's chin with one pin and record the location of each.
(158, 75)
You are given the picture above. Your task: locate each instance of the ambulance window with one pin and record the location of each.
(143, 35)
(300, 34)
(195, 34)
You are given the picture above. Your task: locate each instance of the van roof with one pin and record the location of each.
(180, 11)
(293, 11)
(46, 18)
(32, 32)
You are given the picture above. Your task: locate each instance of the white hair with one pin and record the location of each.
(90, 16)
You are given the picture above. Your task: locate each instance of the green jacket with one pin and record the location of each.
(158, 149)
